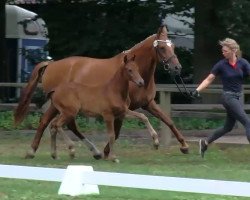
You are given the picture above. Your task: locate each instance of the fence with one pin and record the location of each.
(213, 111)
(165, 91)
(82, 176)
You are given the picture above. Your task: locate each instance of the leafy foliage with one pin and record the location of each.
(97, 29)
(105, 28)
(235, 18)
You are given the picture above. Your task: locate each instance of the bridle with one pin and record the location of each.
(165, 62)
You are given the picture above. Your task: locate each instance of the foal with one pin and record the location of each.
(111, 101)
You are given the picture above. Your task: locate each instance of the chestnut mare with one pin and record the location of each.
(92, 71)
(110, 100)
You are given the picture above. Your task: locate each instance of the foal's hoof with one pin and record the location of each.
(29, 156)
(184, 150)
(97, 156)
(72, 155)
(116, 160)
(156, 146)
(54, 156)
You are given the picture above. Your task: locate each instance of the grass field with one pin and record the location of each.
(222, 162)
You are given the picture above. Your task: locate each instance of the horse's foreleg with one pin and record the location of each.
(44, 121)
(117, 127)
(142, 117)
(73, 127)
(155, 110)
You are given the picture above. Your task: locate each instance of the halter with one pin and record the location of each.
(165, 63)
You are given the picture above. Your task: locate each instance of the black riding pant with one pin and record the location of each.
(235, 111)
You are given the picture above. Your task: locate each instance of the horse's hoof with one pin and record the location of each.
(97, 156)
(184, 150)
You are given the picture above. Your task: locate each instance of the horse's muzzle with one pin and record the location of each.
(140, 83)
(176, 70)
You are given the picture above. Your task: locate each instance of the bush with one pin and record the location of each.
(86, 124)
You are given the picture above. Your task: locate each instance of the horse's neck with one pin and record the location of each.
(119, 84)
(147, 64)
(146, 59)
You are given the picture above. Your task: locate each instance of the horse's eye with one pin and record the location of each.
(130, 70)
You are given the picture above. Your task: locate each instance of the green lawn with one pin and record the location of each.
(222, 162)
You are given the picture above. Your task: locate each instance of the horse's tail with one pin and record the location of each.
(25, 98)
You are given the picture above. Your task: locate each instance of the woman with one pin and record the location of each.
(231, 70)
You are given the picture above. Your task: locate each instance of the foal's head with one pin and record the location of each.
(132, 71)
(165, 52)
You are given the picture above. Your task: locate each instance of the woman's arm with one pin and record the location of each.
(204, 84)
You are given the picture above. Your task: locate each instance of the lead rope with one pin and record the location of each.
(186, 93)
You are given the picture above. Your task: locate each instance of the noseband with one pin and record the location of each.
(165, 63)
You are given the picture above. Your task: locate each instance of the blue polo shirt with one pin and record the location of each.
(232, 77)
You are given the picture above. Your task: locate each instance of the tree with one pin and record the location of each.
(3, 62)
(97, 30)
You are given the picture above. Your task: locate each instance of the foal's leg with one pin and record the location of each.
(69, 142)
(44, 121)
(109, 119)
(155, 110)
(142, 117)
(73, 127)
(117, 127)
(56, 127)
(53, 133)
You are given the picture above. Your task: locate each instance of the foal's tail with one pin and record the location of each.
(27, 92)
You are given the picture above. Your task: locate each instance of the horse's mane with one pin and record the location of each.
(138, 45)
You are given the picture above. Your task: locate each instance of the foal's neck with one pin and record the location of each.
(119, 84)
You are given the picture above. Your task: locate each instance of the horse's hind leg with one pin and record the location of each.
(44, 121)
(155, 110)
(117, 127)
(142, 117)
(73, 127)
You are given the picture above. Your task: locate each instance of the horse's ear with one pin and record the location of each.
(125, 59)
(162, 30)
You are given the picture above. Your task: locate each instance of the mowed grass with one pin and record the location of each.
(222, 162)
